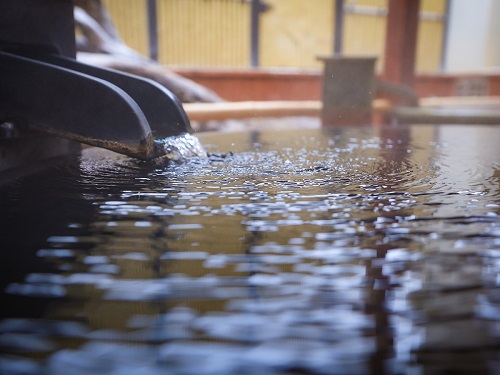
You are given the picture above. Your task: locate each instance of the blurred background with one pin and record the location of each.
(457, 51)
(454, 35)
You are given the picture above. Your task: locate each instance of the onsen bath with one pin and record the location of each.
(344, 250)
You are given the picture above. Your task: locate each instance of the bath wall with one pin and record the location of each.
(293, 84)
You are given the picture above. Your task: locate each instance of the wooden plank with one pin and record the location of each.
(462, 101)
(451, 110)
(429, 115)
(253, 109)
(249, 109)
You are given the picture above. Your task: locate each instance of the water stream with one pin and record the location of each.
(357, 250)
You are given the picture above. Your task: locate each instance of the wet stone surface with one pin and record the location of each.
(357, 250)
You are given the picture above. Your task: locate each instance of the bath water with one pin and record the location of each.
(347, 250)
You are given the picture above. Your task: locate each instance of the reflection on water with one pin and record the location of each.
(323, 251)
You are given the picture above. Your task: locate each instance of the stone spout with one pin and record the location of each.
(43, 87)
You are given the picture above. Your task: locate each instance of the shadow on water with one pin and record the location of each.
(356, 250)
(58, 201)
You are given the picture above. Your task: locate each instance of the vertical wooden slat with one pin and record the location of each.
(216, 33)
(295, 32)
(130, 19)
(364, 35)
(203, 32)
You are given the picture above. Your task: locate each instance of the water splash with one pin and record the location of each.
(182, 146)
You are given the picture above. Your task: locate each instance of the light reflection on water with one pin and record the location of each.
(332, 251)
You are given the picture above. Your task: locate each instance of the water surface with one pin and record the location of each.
(357, 250)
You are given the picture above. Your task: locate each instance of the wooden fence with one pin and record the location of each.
(292, 33)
